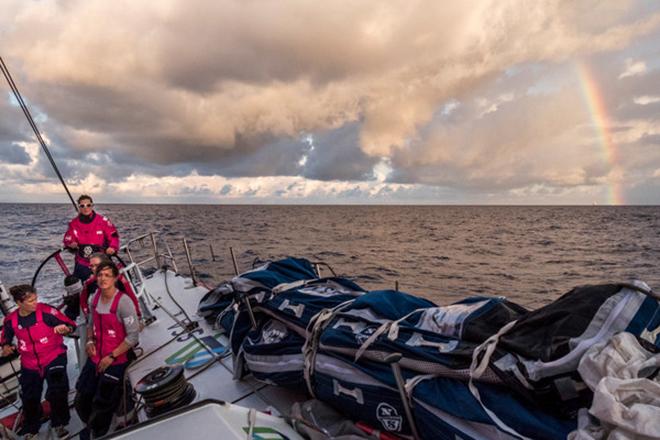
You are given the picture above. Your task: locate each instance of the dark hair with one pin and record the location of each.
(101, 256)
(21, 291)
(108, 264)
(85, 197)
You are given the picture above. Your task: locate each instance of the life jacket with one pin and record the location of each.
(38, 344)
(109, 331)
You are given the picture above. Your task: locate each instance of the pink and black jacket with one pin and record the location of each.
(109, 331)
(93, 233)
(38, 344)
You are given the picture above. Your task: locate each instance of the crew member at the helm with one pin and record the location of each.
(89, 232)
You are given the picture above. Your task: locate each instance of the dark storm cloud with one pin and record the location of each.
(13, 125)
(14, 154)
(337, 155)
(279, 158)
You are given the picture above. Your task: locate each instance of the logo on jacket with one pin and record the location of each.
(112, 333)
(87, 251)
(44, 340)
(22, 345)
(389, 417)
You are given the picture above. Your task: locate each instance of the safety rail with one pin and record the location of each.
(133, 268)
(158, 257)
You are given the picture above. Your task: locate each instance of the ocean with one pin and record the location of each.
(530, 254)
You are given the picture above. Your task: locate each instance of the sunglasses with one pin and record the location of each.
(85, 205)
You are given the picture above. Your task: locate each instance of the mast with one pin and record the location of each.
(33, 124)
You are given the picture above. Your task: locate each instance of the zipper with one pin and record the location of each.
(34, 348)
(100, 336)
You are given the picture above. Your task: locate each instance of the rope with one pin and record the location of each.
(167, 288)
(162, 398)
(30, 119)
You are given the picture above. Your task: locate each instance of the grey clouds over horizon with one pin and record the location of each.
(376, 102)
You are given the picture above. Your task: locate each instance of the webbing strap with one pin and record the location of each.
(370, 340)
(392, 328)
(311, 345)
(477, 369)
(413, 382)
(310, 348)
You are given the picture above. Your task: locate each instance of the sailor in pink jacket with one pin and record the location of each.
(89, 232)
(112, 332)
(38, 330)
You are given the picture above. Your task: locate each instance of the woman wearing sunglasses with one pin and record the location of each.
(89, 232)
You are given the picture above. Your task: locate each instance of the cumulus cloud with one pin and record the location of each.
(633, 68)
(646, 100)
(474, 96)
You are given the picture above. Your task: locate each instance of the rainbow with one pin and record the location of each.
(600, 120)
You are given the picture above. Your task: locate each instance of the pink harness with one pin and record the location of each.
(109, 331)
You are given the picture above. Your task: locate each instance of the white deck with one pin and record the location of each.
(215, 382)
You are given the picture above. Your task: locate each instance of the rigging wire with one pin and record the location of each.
(30, 119)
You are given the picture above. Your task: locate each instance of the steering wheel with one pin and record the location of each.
(57, 256)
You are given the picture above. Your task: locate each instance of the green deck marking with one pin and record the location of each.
(187, 352)
(265, 433)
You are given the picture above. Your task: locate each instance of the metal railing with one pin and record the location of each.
(160, 258)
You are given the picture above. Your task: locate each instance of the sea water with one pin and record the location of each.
(530, 254)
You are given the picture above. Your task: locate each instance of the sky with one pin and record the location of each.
(343, 102)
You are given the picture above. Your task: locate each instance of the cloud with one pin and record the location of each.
(476, 96)
(533, 145)
(336, 155)
(646, 100)
(14, 154)
(633, 68)
(13, 126)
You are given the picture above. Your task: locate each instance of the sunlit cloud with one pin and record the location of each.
(646, 100)
(633, 68)
(475, 101)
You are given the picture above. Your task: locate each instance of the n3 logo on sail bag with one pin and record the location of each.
(364, 334)
(388, 416)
